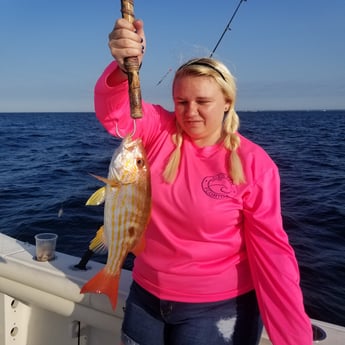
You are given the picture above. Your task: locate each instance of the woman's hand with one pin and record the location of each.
(127, 40)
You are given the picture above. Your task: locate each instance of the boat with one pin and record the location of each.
(40, 302)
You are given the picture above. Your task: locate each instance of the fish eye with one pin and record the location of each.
(140, 162)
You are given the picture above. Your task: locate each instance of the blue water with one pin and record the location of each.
(46, 161)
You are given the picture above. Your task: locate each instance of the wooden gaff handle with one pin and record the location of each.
(132, 66)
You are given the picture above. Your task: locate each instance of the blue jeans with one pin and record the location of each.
(151, 321)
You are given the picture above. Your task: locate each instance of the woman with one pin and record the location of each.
(216, 252)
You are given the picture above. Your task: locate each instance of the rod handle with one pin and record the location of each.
(132, 66)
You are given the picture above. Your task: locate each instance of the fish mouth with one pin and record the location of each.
(128, 143)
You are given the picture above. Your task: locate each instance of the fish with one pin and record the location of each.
(127, 209)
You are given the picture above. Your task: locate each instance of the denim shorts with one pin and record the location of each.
(151, 321)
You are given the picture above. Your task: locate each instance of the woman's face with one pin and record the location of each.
(199, 107)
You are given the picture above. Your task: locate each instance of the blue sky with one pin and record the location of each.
(284, 54)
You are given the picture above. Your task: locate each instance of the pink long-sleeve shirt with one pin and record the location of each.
(208, 239)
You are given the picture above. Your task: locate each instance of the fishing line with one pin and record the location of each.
(217, 44)
(164, 76)
(227, 27)
(131, 134)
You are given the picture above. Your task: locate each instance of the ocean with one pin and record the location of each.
(47, 158)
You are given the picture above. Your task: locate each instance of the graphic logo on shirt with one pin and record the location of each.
(219, 186)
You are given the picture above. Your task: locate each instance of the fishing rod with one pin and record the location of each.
(132, 66)
(220, 39)
(227, 27)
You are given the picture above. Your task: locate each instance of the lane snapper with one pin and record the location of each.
(127, 207)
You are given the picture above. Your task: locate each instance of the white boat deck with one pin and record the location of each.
(40, 302)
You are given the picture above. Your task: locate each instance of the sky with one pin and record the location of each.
(285, 55)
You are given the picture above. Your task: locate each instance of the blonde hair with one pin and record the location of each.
(211, 68)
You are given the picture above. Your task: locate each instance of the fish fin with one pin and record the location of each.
(103, 283)
(113, 183)
(97, 198)
(139, 247)
(99, 243)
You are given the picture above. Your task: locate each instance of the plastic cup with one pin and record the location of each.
(45, 246)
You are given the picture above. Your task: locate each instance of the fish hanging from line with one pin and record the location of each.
(127, 208)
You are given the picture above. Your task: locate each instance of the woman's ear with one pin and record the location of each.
(227, 106)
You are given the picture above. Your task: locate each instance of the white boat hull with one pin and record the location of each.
(40, 302)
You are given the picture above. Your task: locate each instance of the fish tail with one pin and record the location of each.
(104, 283)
